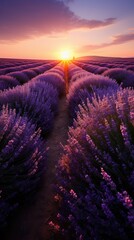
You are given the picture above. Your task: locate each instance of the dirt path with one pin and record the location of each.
(32, 222)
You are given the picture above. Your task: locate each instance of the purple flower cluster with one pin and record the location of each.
(98, 66)
(17, 67)
(92, 68)
(37, 99)
(24, 76)
(23, 66)
(30, 73)
(26, 112)
(7, 82)
(44, 67)
(22, 160)
(55, 76)
(122, 76)
(96, 172)
(86, 86)
(20, 76)
(58, 69)
(76, 73)
(130, 67)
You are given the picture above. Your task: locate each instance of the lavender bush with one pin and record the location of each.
(21, 66)
(78, 75)
(30, 73)
(122, 76)
(20, 76)
(73, 69)
(53, 78)
(9, 69)
(130, 67)
(36, 100)
(58, 69)
(7, 82)
(89, 67)
(22, 160)
(87, 87)
(96, 172)
(44, 68)
(100, 70)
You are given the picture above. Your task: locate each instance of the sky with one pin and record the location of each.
(42, 29)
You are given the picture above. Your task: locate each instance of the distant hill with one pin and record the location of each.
(99, 58)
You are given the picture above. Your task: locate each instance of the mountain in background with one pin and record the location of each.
(98, 58)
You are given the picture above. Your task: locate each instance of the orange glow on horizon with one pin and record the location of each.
(53, 49)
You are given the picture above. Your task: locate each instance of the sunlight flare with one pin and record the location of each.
(66, 55)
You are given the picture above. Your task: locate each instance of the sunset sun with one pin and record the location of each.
(66, 55)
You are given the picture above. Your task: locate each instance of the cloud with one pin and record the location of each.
(31, 18)
(118, 39)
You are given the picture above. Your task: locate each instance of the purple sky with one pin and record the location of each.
(86, 26)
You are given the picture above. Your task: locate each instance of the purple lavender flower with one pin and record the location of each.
(30, 73)
(122, 76)
(86, 87)
(22, 160)
(8, 82)
(20, 76)
(34, 101)
(95, 173)
(53, 78)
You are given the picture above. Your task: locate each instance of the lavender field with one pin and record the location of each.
(67, 149)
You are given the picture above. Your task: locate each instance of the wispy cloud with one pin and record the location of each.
(28, 18)
(118, 39)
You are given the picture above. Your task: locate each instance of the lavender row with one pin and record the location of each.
(96, 172)
(23, 67)
(20, 77)
(85, 86)
(37, 99)
(92, 68)
(54, 76)
(22, 160)
(25, 75)
(124, 63)
(18, 68)
(4, 63)
(27, 112)
(122, 76)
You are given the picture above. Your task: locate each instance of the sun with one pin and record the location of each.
(66, 55)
